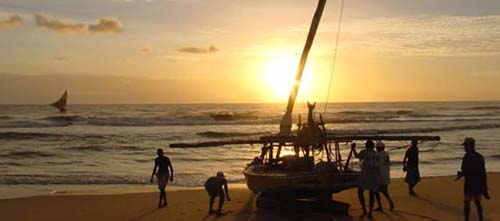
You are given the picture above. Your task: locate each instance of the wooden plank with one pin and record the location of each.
(291, 139)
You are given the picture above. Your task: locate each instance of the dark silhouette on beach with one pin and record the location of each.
(384, 163)
(369, 176)
(161, 170)
(474, 171)
(214, 186)
(410, 166)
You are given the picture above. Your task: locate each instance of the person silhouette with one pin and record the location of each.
(475, 185)
(214, 186)
(369, 177)
(384, 163)
(410, 166)
(161, 170)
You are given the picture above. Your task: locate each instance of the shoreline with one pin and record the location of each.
(16, 191)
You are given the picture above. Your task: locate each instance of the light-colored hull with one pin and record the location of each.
(299, 182)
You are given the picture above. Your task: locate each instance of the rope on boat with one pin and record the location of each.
(335, 54)
(203, 155)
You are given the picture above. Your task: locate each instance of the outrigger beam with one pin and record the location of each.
(291, 139)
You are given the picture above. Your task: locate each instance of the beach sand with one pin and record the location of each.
(438, 199)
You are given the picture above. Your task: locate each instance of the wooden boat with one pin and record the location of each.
(307, 162)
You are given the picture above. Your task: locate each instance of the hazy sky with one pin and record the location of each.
(161, 51)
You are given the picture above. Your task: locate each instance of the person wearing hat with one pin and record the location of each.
(384, 163)
(161, 170)
(410, 166)
(474, 171)
(213, 186)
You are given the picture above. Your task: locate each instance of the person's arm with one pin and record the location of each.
(460, 173)
(353, 148)
(486, 193)
(405, 158)
(171, 170)
(227, 192)
(154, 171)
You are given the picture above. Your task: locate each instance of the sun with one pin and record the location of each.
(279, 75)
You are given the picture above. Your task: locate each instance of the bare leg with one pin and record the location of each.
(371, 202)
(211, 205)
(410, 189)
(377, 196)
(164, 196)
(466, 210)
(160, 198)
(362, 201)
(479, 209)
(391, 203)
(221, 203)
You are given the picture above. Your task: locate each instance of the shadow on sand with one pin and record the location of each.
(144, 215)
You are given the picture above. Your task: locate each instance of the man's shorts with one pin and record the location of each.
(162, 180)
(471, 197)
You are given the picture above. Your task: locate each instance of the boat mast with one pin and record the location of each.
(286, 121)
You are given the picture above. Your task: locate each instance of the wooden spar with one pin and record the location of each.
(286, 121)
(291, 139)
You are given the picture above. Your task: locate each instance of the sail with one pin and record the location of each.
(286, 121)
(61, 103)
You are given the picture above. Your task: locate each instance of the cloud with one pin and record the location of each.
(12, 21)
(423, 35)
(146, 50)
(61, 59)
(104, 25)
(57, 25)
(198, 50)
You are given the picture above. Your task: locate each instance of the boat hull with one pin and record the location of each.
(308, 183)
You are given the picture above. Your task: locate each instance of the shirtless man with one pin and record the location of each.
(163, 165)
(214, 185)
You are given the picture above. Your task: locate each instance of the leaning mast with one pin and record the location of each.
(286, 121)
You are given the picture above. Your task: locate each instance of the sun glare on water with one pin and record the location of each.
(279, 75)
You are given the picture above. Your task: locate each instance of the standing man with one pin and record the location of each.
(162, 163)
(384, 163)
(474, 171)
(213, 186)
(410, 166)
(369, 177)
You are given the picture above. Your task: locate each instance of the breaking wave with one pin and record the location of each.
(417, 130)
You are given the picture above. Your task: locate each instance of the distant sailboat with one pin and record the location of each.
(61, 103)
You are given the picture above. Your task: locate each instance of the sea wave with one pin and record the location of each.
(485, 107)
(27, 154)
(158, 118)
(417, 130)
(181, 179)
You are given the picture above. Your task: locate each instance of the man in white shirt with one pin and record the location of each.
(384, 163)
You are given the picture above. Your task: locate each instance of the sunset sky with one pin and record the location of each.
(188, 51)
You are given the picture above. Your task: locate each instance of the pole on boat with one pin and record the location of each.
(286, 121)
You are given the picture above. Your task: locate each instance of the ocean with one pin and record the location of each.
(116, 144)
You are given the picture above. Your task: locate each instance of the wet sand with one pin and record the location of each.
(438, 199)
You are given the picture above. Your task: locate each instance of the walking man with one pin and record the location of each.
(474, 172)
(410, 166)
(161, 170)
(384, 164)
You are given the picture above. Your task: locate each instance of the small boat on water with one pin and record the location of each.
(61, 104)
